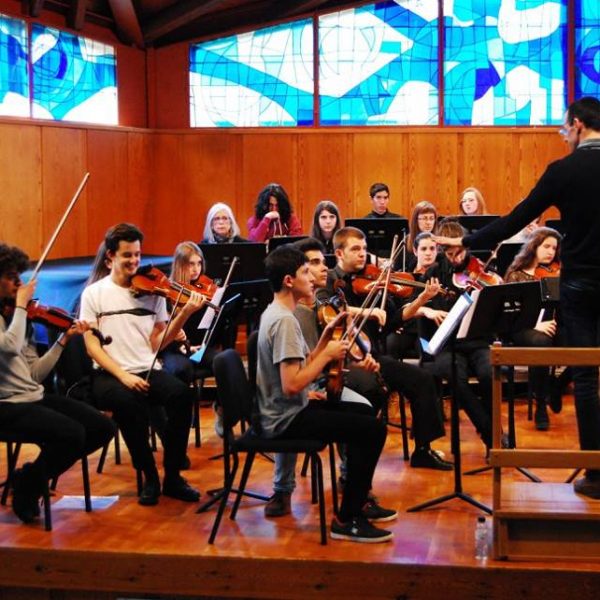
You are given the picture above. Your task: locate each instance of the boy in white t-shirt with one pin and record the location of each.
(121, 383)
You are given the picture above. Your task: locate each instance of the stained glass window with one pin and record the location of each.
(261, 78)
(587, 48)
(378, 64)
(505, 62)
(14, 75)
(73, 78)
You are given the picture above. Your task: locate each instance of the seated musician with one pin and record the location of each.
(380, 199)
(473, 355)
(416, 384)
(273, 215)
(405, 341)
(221, 226)
(306, 313)
(539, 256)
(65, 429)
(128, 380)
(285, 371)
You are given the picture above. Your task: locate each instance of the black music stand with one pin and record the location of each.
(250, 263)
(496, 310)
(281, 240)
(446, 330)
(555, 224)
(473, 223)
(380, 233)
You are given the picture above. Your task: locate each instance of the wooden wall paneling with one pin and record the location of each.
(537, 150)
(431, 170)
(267, 157)
(165, 217)
(209, 166)
(63, 167)
(20, 182)
(378, 157)
(140, 174)
(108, 197)
(489, 161)
(324, 169)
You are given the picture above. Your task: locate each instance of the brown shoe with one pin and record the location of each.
(279, 505)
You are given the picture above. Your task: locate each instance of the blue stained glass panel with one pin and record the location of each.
(505, 62)
(378, 64)
(14, 74)
(587, 48)
(260, 78)
(73, 78)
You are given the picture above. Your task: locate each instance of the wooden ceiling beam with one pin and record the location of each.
(126, 22)
(176, 16)
(298, 8)
(76, 17)
(32, 7)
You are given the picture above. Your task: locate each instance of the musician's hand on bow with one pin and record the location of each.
(180, 337)
(547, 327)
(380, 315)
(369, 364)
(25, 293)
(447, 241)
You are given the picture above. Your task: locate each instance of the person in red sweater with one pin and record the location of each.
(273, 215)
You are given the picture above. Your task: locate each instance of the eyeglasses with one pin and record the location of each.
(426, 218)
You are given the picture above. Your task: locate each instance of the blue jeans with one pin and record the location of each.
(580, 309)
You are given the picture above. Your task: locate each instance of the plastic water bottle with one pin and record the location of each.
(481, 539)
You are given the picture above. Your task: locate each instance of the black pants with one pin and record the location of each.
(472, 357)
(65, 429)
(539, 376)
(130, 411)
(363, 435)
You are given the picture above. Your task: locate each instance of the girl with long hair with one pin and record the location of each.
(326, 221)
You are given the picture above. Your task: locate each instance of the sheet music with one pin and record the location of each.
(466, 322)
(448, 325)
(209, 315)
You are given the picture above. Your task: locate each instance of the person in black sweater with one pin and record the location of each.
(572, 185)
(380, 198)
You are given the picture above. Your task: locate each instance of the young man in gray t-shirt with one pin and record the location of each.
(286, 369)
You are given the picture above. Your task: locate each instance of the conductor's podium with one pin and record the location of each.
(540, 520)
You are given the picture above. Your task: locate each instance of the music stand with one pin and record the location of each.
(250, 257)
(495, 310)
(380, 232)
(281, 240)
(555, 224)
(505, 255)
(473, 223)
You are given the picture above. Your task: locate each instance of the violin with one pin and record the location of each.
(551, 270)
(475, 276)
(51, 316)
(400, 284)
(150, 280)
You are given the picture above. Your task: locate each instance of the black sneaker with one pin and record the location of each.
(279, 505)
(372, 511)
(542, 422)
(150, 493)
(180, 489)
(359, 529)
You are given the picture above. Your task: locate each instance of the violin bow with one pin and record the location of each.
(164, 335)
(60, 226)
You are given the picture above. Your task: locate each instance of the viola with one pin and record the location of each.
(150, 280)
(475, 276)
(400, 284)
(51, 316)
(551, 270)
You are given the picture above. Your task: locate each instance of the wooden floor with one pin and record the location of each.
(161, 552)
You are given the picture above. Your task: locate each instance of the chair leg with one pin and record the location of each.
(304, 469)
(226, 491)
(332, 470)
(117, 448)
(243, 481)
(12, 454)
(85, 473)
(403, 427)
(196, 413)
(317, 468)
(47, 510)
